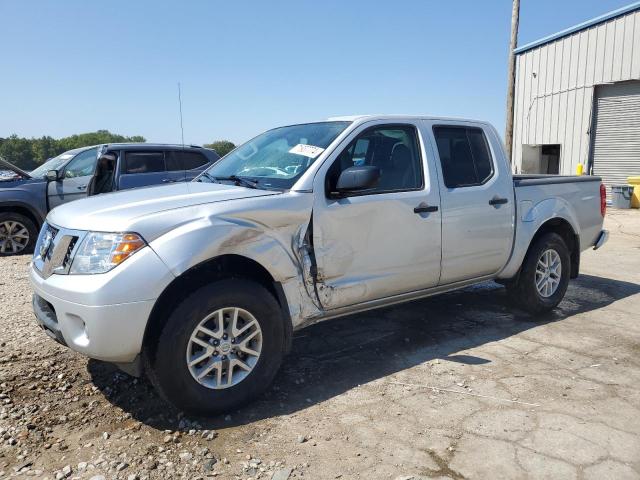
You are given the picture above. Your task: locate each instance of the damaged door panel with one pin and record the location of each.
(309, 268)
(374, 247)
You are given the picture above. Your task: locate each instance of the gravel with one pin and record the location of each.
(334, 411)
(62, 416)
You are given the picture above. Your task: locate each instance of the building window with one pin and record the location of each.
(544, 159)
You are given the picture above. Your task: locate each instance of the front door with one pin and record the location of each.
(75, 179)
(385, 241)
(477, 201)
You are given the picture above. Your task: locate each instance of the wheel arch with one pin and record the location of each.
(558, 225)
(22, 209)
(571, 239)
(217, 268)
(554, 214)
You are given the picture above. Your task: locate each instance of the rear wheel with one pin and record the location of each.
(544, 277)
(18, 234)
(220, 348)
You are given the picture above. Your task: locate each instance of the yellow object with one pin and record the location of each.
(635, 198)
(579, 169)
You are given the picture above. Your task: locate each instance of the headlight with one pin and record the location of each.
(100, 252)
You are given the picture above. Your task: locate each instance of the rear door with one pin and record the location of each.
(76, 176)
(476, 192)
(141, 168)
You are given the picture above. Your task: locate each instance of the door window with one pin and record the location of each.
(143, 162)
(192, 160)
(83, 164)
(464, 155)
(173, 161)
(183, 160)
(391, 148)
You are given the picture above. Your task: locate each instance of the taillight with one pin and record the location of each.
(603, 200)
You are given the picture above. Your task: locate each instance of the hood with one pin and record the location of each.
(9, 166)
(123, 211)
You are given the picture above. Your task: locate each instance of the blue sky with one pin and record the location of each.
(78, 66)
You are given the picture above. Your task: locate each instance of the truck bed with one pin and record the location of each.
(575, 198)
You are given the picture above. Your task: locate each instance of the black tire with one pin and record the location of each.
(27, 223)
(168, 371)
(524, 292)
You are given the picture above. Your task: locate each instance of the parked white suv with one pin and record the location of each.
(201, 284)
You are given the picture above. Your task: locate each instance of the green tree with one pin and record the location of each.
(18, 151)
(95, 138)
(221, 146)
(29, 153)
(44, 148)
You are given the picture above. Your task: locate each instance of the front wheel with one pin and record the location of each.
(18, 234)
(544, 276)
(220, 348)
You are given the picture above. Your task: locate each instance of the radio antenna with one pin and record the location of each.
(180, 105)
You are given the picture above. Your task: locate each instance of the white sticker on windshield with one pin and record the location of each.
(310, 151)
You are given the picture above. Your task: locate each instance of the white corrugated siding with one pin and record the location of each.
(555, 86)
(616, 143)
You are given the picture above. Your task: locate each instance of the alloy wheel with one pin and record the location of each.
(224, 348)
(548, 273)
(14, 237)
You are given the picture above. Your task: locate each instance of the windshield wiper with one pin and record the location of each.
(207, 176)
(245, 182)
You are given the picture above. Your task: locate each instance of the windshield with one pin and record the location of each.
(277, 158)
(55, 163)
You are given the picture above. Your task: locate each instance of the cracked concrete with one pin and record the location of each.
(580, 364)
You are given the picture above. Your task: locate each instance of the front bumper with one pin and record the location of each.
(102, 316)
(603, 236)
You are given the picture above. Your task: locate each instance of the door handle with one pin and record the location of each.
(82, 187)
(168, 180)
(424, 208)
(498, 201)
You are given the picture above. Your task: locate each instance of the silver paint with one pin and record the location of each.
(331, 257)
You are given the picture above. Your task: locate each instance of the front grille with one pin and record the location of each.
(66, 261)
(51, 231)
(55, 250)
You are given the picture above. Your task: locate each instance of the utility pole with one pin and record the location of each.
(511, 79)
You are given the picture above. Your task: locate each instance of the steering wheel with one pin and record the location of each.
(292, 169)
(276, 170)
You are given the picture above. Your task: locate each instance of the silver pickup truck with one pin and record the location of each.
(200, 285)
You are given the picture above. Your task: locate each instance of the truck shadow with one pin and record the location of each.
(332, 357)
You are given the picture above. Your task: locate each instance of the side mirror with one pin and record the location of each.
(53, 175)
(355, 179)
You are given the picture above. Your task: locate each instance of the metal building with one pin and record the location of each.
(577, 99)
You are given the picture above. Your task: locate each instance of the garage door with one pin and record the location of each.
(616, 146)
